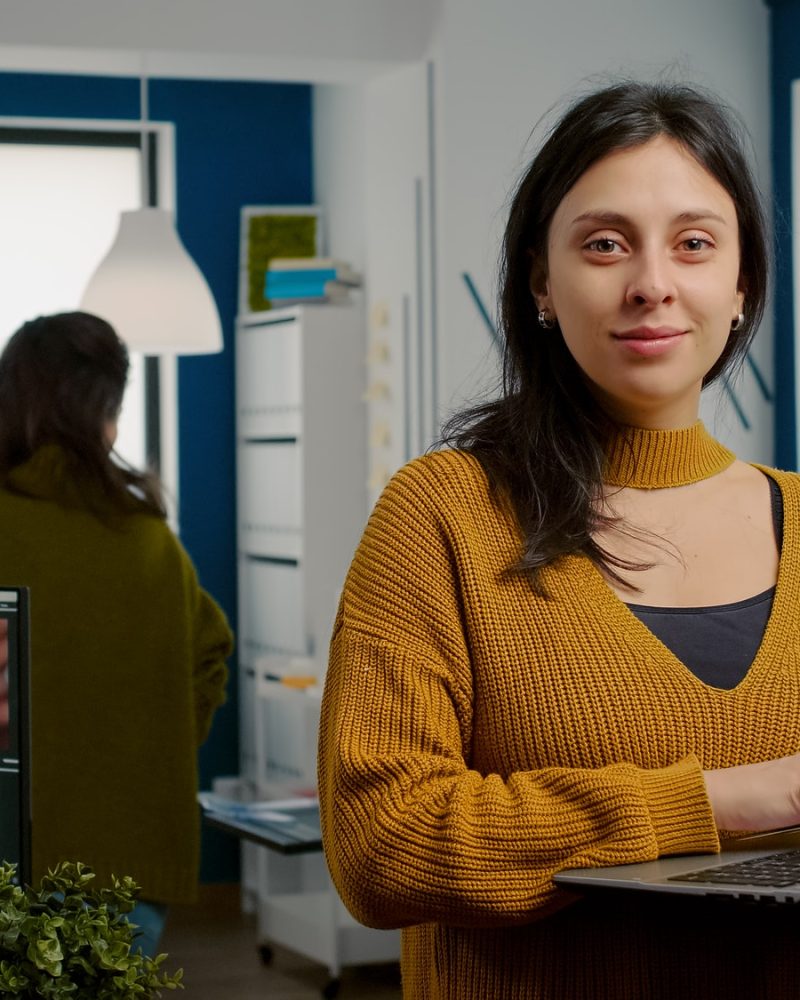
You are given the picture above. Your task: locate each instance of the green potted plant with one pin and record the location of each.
(70, 939)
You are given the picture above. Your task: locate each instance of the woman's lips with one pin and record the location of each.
(649, 341)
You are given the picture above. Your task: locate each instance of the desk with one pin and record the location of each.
(289, 827)
(298, 906)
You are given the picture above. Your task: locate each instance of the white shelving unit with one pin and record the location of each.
(297, 904)
(301, 471)
(302, 505)
(286, 725)
(316, 923)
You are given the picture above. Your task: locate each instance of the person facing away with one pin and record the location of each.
(128, 652)
(570, 639)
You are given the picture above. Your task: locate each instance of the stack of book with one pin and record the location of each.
(290, 280)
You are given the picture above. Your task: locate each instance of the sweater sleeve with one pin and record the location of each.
(412, 833)
(212, 644)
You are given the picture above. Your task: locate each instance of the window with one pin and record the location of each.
(61, 192)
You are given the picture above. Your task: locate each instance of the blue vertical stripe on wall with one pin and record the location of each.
(785, 68)
(237, 143)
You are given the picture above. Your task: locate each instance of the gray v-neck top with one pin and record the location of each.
(719, 643)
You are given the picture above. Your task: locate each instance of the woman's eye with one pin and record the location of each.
(696, 243)
(603, 245)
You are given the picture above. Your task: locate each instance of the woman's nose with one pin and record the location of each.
(651, 281)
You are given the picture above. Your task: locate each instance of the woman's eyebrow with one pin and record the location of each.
(606, 218)
(701, 215)
(611, 218)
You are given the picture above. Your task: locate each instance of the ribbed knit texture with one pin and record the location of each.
(476, 738)
(655, 459)
(128, 665)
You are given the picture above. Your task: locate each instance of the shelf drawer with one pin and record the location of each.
(270, 501)
(272, 608)
(286, 737)
(268, 379)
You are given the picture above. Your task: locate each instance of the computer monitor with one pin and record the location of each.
(15, 776)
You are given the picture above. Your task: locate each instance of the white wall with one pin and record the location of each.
(340, 168)
(498, 67)
(501, 66)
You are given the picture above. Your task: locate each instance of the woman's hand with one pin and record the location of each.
(756, 797)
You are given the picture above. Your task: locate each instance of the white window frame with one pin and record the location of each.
(165, 197)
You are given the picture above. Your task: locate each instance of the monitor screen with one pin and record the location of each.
(15, 808)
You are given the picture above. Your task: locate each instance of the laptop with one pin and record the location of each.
(15, 783)
(758, 867)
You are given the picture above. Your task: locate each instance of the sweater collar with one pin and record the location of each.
(49, 474)
(656, 459)
(44, 475)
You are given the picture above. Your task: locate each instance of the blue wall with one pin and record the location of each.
(236, 144)
(785, 68)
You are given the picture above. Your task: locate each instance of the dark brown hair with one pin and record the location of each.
(542, 442)
(62, 379)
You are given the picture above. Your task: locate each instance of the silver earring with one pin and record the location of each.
(738, 323)
(546, 322)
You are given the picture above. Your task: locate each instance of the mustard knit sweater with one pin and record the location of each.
(476, 739)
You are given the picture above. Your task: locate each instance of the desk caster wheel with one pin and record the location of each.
(331, 988)
(266, 954)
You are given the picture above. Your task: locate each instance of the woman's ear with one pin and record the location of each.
(538, 283)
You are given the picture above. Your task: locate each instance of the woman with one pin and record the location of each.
(561, 643)
(128, 652)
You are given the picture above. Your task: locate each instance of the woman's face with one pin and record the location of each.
(642, 275)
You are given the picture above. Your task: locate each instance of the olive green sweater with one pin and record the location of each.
(128, 666)
(476, 739)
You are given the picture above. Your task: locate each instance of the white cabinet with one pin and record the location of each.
(302, 505)
(301, 482)
(302, 911)
(296, 903)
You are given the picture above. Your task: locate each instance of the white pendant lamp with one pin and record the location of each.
(149, 288)
(152, 292)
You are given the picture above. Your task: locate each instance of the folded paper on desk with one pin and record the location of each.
(285, 824)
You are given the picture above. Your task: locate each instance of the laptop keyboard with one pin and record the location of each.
(779, 869)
